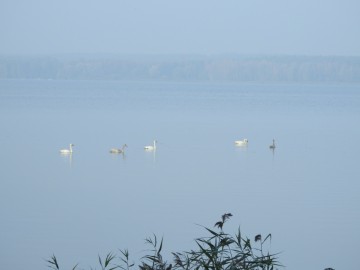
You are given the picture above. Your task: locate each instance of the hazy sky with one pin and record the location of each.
(306, 27)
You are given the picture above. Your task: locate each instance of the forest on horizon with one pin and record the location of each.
(183, 68)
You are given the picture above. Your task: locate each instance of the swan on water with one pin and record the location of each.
(67, 151)
(272, 146)
(151, 147)
(242, 142)
(118, 150)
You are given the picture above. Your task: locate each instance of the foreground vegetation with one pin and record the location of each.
(218, 251)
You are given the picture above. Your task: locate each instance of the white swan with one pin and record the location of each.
(242, 142)
(272, 146)
(67, 151)
(151, 147)
(117, 150)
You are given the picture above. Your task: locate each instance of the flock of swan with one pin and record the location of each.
(242, 142)
(245, 142)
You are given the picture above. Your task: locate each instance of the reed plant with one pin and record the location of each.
(217, 251)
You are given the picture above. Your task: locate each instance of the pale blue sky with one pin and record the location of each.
(305, 27)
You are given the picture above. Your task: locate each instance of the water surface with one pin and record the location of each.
(305, 193)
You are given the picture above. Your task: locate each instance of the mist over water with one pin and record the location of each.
(305, 192)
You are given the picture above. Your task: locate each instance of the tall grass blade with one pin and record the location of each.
(161, 244)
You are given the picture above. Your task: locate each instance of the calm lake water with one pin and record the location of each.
(306, 193)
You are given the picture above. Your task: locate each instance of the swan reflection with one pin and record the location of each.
(152, 149)
(67, 156)
(272, 147)
(67, 153)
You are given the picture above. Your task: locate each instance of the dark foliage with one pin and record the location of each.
(218, 251)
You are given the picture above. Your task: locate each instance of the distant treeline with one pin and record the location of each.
(183, 68)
